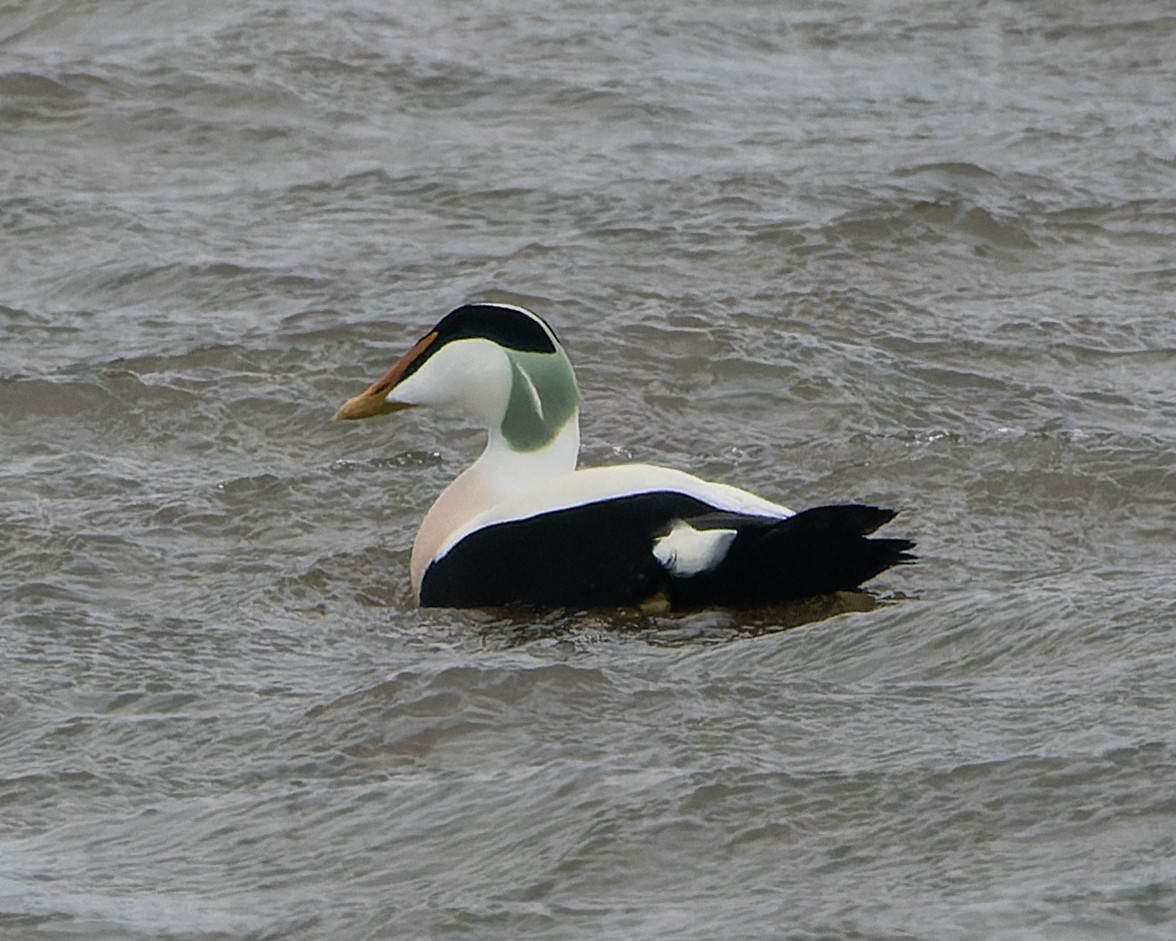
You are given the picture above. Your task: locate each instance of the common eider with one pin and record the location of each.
(523, 525)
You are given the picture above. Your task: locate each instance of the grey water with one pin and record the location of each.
(920, 253)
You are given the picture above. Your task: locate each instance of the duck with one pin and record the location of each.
(525, 525)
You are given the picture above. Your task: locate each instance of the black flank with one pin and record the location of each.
(592, 556)
(600, 555)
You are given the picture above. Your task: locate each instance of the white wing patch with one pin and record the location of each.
(686, 551)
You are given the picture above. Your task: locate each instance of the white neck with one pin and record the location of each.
(500, 472)
(508, 471)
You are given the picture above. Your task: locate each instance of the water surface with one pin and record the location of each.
(915, 253)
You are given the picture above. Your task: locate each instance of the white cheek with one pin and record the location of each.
(471, 376)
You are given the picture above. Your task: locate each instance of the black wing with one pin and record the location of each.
(595, 555)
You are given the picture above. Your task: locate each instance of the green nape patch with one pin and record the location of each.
(543, 396)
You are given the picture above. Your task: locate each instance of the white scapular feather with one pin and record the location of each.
(686, 551)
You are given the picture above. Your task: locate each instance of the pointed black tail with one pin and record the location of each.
(816, 552)
(825, 549)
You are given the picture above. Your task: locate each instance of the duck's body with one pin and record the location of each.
(523, 525)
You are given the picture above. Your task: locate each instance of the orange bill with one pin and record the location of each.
(372, 401)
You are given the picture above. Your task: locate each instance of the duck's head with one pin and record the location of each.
(499, 364)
